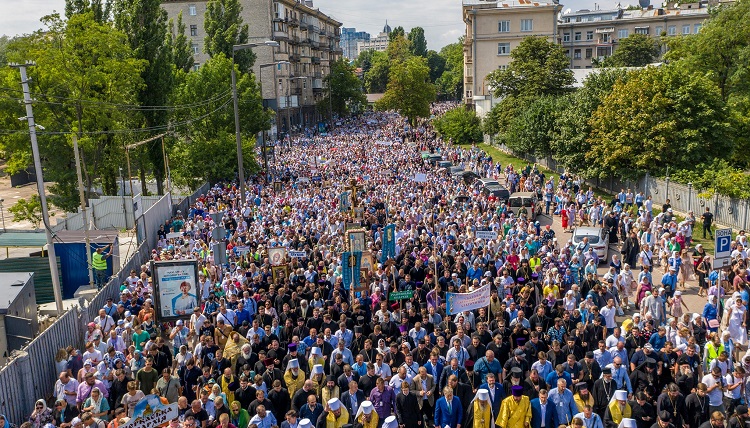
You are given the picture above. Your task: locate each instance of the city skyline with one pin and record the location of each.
(441, 19)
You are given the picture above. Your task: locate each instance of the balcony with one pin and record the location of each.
(316, 60)
(296, 91)
(322, 32)
(318, 75)
(293, 40)
(293, 22)
(280, 35)
(312, 28)
(294, 57)
(303, 26)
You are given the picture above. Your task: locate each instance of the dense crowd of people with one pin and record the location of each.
(553, 346)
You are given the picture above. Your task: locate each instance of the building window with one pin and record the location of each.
(577, 54)
(672, 30)
(567, 53)
(621, 34)
(194, 48)
(605, 38)
(196, 66)
(193, 30)
(686, 29)
(589, 35)
(527, 25)
(191, 10)
(659, 30)
(589, 53)
(503, 26)
(577, 36)
(503, 48)
(697, 28)
(502, 67)
(566, 37)
(642, 30)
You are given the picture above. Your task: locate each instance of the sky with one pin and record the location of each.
(441, 19)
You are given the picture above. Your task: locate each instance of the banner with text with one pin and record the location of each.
(459, 302)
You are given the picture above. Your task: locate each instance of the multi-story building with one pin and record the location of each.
(308, 39)
(493, 29)
(349, 39)
(379, 43)
(591, 35)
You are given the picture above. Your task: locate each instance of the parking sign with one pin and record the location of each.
(723, 248)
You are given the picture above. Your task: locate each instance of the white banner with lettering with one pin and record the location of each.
(459, 302)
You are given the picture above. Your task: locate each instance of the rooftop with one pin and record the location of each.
(11, 285)
(500, 4)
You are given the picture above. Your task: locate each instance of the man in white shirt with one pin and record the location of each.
(609, 312)
(66, 388)
(613, 338)
(104, 321)
(716, 387)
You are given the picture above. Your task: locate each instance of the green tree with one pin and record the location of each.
(533, 129)
(224, 29)
(409, 89)
(376, 78)
(30, 210)
(100, 11)
(4, 42)
(721, 51)
(83, 67)
(182, 56)
(344, 90)
(716, 177)
(636, 50)
(538, 67)
(418, 42)
(570, 140)
(451, 82)
(214, 131)
(460, 125)
(660, 116)
(397, 32)
(145, 23)
(399, 49)
(364, 60)
(437, 65)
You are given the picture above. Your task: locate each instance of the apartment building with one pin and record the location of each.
(349, 39)
(308, 39)
(590, 35)
(493, 29)
(378, 43)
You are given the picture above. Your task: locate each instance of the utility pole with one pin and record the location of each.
(40, 185)
(82, 198)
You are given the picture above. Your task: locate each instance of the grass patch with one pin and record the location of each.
(507, 158)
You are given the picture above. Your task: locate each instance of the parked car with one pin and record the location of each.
(444, 164)
(598, 240)
(455, 170)
(467, 176)
(433, 159)
(525, 199)
(489, 182)
(501, 193)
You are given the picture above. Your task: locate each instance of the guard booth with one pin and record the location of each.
(26, 251)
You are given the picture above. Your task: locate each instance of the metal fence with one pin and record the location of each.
(184, 205)
(106, 212)
(730, 212)
(31, 373)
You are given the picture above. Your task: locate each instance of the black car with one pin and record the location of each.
(500, 192)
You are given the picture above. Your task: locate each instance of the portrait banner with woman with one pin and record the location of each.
(175, 289)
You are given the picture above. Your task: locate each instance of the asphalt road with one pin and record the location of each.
(690, 293)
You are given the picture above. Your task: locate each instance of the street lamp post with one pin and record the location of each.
(240, 165)
(263, 134)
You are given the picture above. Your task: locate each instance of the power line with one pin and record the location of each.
(167, 127)
(129, 107)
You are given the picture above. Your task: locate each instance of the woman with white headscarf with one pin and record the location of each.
(42, 415)
(96, 404)
(737, 320)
